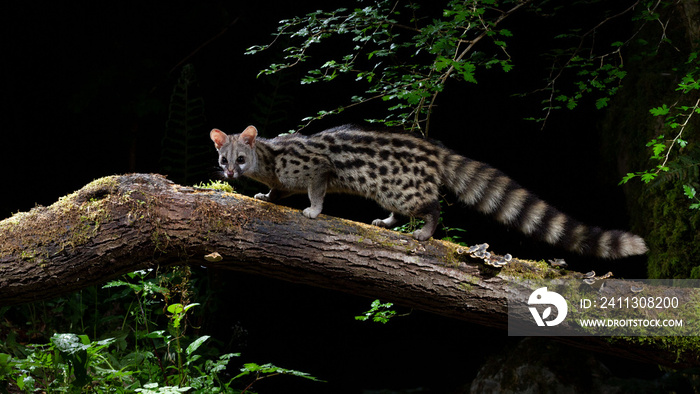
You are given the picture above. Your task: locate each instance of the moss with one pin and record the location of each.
(371, 233)
(70, 222)
(674, 238)
(688, 310)
(216, 185)
(86, 210)
(658, 211)
(469, 284)
(210, 218)
(27, 255)
(686, 349)
(529, 269)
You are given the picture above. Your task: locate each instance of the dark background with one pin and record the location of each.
(85, 94)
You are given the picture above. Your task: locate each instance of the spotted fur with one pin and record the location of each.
(404, 175)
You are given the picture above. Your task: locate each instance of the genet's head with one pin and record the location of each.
(236, 152)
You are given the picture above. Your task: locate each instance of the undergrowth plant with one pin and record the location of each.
(379, 313)
(141, 342)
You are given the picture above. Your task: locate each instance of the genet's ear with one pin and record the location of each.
(219, 138)
(248, 136)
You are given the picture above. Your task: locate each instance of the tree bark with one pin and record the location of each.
(119, 224)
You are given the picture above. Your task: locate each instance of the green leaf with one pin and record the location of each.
(506, 33)
(380, 313)
(658, 149)
(159, 334)
(117, 283)
(660, 111)
(627, 178)
(196, 344)
(69, 343)
(467, 71)
(441, 63)
(602, 102)
(648, 177)
(175, 308)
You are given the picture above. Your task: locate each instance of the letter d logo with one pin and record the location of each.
(542, 296)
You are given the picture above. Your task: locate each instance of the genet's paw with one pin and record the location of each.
(379, 223)
(263, 197)
(311, 212)
(422, 234)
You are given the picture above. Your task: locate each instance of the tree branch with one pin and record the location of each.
(119, 224)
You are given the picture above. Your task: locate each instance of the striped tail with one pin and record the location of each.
(494, 193)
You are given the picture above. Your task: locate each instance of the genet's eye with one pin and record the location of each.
(224, 161)
(240, 159)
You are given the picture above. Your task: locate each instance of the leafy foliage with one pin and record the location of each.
(690, 192)
(145, 348)
(582, 66)
(677, 157)
(379, 313)
(267, 371)
(676, 230)
(404, 56)
(400, 58)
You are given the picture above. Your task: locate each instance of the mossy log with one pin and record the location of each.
(119, 224)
